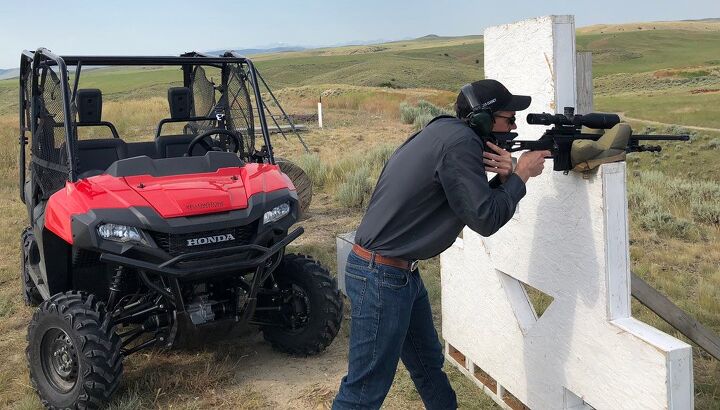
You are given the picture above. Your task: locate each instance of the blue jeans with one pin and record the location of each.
(391, 319)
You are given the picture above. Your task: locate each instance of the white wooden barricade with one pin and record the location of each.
(569, 241)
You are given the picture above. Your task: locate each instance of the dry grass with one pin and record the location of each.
(645, 26)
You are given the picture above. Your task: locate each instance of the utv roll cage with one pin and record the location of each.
(43, 118)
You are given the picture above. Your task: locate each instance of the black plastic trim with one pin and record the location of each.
(161, 167)
(173, 266)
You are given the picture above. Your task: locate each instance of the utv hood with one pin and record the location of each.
(194, 194)
(172, 196)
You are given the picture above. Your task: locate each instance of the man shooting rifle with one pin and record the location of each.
(431, 187)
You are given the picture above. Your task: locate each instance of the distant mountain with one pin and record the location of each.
(6, 73)
(707, 20)
(251, 51)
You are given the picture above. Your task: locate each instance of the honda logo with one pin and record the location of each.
(210, 239)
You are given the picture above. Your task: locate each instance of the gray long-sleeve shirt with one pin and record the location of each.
(431, 187)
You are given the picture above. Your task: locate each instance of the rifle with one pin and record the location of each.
(567, 128)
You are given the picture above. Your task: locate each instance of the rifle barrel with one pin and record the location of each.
(654, 137)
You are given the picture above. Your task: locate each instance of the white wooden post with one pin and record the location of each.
(584, 83)
(570, 242)
(320, 120)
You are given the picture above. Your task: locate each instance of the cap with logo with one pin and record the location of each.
(489, 95)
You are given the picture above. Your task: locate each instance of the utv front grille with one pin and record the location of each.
(179, 244)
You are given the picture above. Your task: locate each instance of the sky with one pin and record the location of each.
(161, 27)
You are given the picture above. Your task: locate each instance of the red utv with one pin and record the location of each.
(134, 244)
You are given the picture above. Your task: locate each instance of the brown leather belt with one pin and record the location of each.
(384, 260)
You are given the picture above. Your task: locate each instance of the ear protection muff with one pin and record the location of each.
(480, 119)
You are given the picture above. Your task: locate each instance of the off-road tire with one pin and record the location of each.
(31, 294)
(302, 182)
(84, 329)
(325, 307)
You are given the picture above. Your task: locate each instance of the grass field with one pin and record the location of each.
(660, 78)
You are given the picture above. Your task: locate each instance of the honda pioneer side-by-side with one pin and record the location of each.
(134, 243)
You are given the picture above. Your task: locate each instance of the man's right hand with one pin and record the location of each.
(531, 164)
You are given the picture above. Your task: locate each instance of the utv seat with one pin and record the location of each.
(138, 149)
(89, 109)
(172, 146)
(95, 156)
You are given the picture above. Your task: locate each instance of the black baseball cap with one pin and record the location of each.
(491, 95)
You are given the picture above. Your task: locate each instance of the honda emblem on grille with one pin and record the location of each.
(210, 239)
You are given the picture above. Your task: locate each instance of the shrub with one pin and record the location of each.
(679, 190)
(642, 198)
(428, 107)
(378, 156)
(422, 120)
(666, 224)
(314, 168)
(714, 144)
(354, 192)
(708, 213)
(652, 195)
(421, 114)
(407, 113)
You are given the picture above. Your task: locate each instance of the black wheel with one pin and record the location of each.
(31, 294)
(311, 307)
(73, 352)
(300, 179)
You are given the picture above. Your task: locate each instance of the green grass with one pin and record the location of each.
(673, 107)
(402, 69)
(640, 51)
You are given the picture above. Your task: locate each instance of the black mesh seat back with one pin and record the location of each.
(98, 154)
(171, 146)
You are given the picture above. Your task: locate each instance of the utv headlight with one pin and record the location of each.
(277, 213)
(121, 233)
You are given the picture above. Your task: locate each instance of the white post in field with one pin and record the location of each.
(320, 121)
(568, 245)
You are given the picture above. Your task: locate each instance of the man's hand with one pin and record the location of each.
(499, 163)
(531, 164)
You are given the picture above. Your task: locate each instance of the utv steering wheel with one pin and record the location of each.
(210, 145)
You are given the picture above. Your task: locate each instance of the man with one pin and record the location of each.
(431, 187)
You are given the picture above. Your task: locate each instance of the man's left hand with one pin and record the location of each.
(501, 162)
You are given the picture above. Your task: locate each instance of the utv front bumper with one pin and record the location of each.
(208, 262)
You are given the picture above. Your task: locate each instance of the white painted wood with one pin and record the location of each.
(564, 61)
(570, 242)
(516, 294)
(320, 120)
(584, 83)
(617, 251)
(343, 245)
(531, 68)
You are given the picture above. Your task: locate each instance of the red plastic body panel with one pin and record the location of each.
(170, 196)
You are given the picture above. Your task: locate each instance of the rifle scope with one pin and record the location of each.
(595, 120)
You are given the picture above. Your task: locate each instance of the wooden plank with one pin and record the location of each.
(617, 250)
(275, 130)
(584, 83)
(676, 317)
(284, 128)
